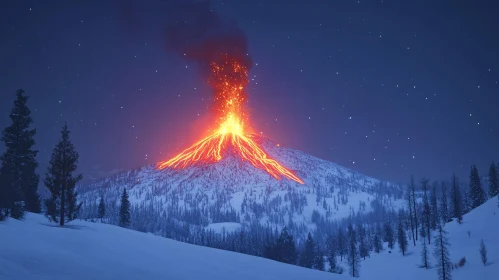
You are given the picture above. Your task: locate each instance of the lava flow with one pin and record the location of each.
(229, 78)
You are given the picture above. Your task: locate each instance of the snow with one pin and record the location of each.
(35, 249)
(224, 227)
(482, 222)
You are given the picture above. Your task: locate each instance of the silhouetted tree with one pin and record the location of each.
(285, 250)
(477, 194)
(124, 210)
(389, 236)
(18, 181)
(456, 200)
(353, 254)
(444, 207)
(401, 236)
(308, 252)
(102, 208)
(410, 204)
(426, 217)
(493, 180)
(62, 205)
(441, 253)
(425, 260)
(434, 217)
(483, 252)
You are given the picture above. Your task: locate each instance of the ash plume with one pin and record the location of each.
(196, 32)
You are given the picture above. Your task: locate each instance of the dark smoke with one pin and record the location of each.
(196, 32)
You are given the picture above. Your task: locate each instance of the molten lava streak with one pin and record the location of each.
(229, 78)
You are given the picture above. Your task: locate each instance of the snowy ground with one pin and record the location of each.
(483, 223)
(35, 249)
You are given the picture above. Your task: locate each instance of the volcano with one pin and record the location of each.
(229, 78)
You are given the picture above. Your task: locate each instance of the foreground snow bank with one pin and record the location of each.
(35, 249)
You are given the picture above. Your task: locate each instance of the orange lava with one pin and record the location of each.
(229, 78)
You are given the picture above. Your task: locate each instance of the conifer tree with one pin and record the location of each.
(483, 252)
(493, 180)
(389, 235)
(414, 209)
(285, 250)
(377, 244)
(477, 194)
(426, 219)
(410, 198)
(456, 200)
(425, 259)
(342, 244)
(441, 253)
(332, 261)
(102, 208)
(18, 181)
(444, 207)
(308, 253)
(318, 259)
(401, 235)
(435, 218)
(353, 254)
(62, 205)
(363, 249)
(124, 210)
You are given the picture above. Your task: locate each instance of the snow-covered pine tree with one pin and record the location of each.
(62, 205)
(493, 180)
(353, 254)
(124, 210)
(477, 194)
(19, 182)
(401, 235)
(456, 199)
(410, 198)
(102, 209)
(425, 259)
(483, 252)
(441, 253)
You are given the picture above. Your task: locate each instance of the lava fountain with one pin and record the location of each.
(228, 78)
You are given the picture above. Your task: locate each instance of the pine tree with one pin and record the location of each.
(332, 261)
(342, 244)
(363, 249)
(477, 194)
(378, 245)
(124, 210)
(441, 253)
(410, 204)
(285, 250)
(353, 254)
(414, 209)
(18, 181)
(434, 217)
(102, 208)
(308, 253)
(456, 200)
(444, 208)
(62, 205)
(425, 259)
(426, 219)
(401, 235)
(389, 235)
(493, 180)
(483, 252)
(318, 259)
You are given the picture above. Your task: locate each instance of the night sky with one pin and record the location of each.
(385, 87)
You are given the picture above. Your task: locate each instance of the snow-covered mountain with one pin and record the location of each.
(234, 191)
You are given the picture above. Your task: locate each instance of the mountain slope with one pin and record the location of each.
(482, 223)
(233, 190)
(82, 250)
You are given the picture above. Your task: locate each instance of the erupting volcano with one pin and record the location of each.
(228, 78)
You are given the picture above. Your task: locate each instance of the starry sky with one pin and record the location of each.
(388, 88)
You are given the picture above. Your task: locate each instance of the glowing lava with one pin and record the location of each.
(229, 78)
